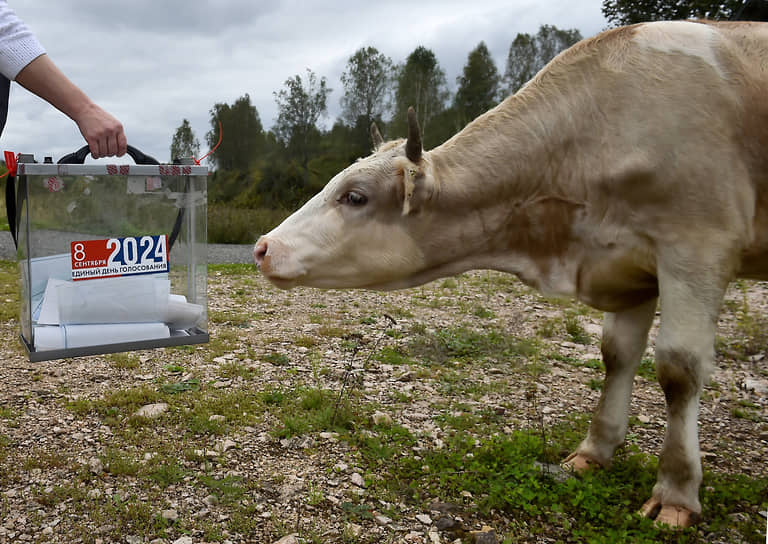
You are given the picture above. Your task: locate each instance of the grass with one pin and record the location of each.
(9, 291)
(476, 444)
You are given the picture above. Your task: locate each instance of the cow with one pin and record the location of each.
(631, 170)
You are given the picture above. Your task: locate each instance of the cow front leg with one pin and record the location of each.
(684, 356)
(625, 335)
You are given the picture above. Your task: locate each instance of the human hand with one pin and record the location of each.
(103, 133)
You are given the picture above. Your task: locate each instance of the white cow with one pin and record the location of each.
(634, 167)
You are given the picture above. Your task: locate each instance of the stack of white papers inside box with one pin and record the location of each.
(109, 311)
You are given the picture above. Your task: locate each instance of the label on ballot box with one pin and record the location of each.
(116, 257)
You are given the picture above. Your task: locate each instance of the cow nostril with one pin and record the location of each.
(260, 251)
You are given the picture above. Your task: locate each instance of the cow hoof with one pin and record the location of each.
(580, 463)
(674, 517)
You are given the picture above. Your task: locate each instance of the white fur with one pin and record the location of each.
(688, 38)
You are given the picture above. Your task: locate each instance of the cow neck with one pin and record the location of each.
(515, 154)
(506, 176)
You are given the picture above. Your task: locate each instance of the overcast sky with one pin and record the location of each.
(153, 63)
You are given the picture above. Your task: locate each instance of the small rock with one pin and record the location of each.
(183, 540)
(424, 518)
(94, 494)
(484, 536)
(221, 384)
(217, 418)
(380, 418)
(95, 465)
(382, 520)
(447, 523)
(357, 480)
(170, 514)
(288, 539)
(759, 387)
(227, 445)
(211, 500)
(48, 531)
(446, 507)
(152, 410)
(355, 530)
(434, 537)
(644, 419)
(133, 539)
(405, 377)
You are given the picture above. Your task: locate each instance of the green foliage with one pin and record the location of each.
(184, 144)
(313, 410)
(466, 344)
(9, 291)
(228, 225)
(506, 474)
(300, 105)
(478, 86)
(367, 83)
(575, 329)
(528, 54)
(628, 12)
(421, 84)
(241, 131)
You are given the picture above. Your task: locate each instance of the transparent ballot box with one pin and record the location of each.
(112, 257)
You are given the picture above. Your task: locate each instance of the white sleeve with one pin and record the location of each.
(18, 46)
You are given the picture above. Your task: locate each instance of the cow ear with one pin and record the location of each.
(413, 143)
(414, 189)
(376, 137)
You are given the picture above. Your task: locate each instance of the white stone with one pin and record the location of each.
(380, 418)
(357, 480)
(152, 410)
(227, 445)
(170, 514)
(424, 518)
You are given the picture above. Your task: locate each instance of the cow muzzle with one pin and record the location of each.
(272, 259)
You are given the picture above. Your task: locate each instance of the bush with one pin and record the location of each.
(228, 225)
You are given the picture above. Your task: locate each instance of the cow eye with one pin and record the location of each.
(353, 199)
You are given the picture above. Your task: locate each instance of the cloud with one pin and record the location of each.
(153, 64)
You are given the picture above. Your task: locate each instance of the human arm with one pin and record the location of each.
(103, 133)
(23, 58)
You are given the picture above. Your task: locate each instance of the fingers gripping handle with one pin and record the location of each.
(78, 157)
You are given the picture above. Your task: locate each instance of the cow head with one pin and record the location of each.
(363, 228)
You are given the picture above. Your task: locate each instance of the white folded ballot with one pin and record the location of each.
(109, 311)
(49, 337)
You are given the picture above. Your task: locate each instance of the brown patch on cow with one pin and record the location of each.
(680, 377)
(616, 282)
(541, 229)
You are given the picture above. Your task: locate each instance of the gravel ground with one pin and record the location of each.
(217, 253)
(96, 475)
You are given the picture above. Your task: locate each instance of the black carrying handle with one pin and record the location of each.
(78, 157)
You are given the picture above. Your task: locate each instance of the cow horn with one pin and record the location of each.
(413, 144)
(376, 136)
